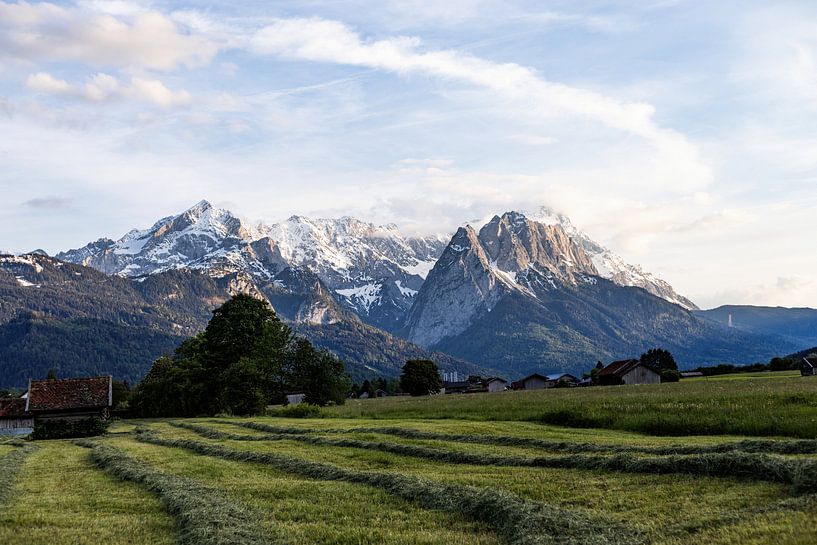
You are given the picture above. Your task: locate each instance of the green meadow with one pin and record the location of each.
(771, 404)
(439, 470)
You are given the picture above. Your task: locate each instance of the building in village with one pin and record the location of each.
(70, 398)
(540, 382)
(491, 384)
(73, 399)
(13, 417)
(808, 367)
(630, 371)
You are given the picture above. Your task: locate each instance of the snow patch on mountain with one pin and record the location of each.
(610, 265)
(363, 296)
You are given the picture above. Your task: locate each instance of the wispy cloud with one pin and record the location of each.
(47, 203)
(102, 87)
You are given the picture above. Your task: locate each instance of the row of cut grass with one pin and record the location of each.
(669, 509)
(514, 519)
(771, 446)
(10, 464)
(315, 512)
(61, 497)
(204, 515)
(800, 473)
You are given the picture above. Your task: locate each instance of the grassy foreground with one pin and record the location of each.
(773, 404)
(409, 479)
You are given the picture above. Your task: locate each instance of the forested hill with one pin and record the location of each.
(79, 321)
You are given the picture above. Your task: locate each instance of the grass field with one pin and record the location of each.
(407, 479)
(773, 404)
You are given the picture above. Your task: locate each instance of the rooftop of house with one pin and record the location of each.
(618, 368)
(69, 394)
(12, 407)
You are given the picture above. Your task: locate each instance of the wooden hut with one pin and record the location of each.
(70, 399)
(628, 372)
(14, 420)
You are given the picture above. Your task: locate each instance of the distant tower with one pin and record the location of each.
(730, 320)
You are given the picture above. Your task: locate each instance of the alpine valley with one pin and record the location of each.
(524, 292)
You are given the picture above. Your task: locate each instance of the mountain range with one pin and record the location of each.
(523, 292)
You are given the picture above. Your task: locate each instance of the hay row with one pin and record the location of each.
(10, 465)
(768, 446)
(800, 474)
(205, 515)
(516, 520)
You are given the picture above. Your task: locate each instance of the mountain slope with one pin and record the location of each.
(58, 315)
(609, 264)
(524, 296)
(798, 325)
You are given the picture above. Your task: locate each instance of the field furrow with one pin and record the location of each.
(800, 474)
(59, 497)
(516, 520)
(769, 446)
(205, 515)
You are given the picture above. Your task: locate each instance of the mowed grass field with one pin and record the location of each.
(402, 478)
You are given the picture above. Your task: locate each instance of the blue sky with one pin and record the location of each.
(680, 134)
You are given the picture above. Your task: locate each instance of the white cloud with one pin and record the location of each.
(42, 82)
(45, 31)
(102, 87)
(328, 41)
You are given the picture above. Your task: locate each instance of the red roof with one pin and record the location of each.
(71, 393)
(12, 407)
(618, 368)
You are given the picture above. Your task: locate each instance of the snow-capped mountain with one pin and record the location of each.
(610, 265)
(373, 270)
(526, 296)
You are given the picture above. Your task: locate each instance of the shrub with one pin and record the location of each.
(65, 429)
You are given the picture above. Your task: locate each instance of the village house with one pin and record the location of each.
(540, 382)
(627, 372)
(491, 384)
(13, 417)
(70, 399)
(808, 367)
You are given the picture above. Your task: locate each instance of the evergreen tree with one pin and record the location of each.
(420, 377)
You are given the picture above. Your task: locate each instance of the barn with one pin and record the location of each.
(808, 367)
(14, 420)
(70, 399)
(628, 372)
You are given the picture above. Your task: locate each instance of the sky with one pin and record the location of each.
(681, 134)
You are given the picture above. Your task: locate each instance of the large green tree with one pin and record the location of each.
(245, 359)
(317, 374)
(420, 377)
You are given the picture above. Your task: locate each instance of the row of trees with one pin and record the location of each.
(245, 359)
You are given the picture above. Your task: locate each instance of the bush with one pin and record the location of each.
(670, 375)
(64, 429)
(301, 410)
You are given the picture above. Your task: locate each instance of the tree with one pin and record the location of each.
(659, 359)
(243, 327)
(367, 387)
(316, 373)
(245, 359)
(420, 377)
(52, 375)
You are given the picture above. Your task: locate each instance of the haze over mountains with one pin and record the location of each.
(524, 292)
